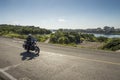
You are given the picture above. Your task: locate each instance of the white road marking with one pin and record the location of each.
(2, 70)
(25, 78)
(8, 67)
(7, 75)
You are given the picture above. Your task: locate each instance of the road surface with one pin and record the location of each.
(56, 63)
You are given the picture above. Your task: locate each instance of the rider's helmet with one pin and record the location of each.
(29, 35)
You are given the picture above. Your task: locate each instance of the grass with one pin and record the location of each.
(14, 35)
(40, 38)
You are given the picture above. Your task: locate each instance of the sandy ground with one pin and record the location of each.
(118, 51)
(94, 45)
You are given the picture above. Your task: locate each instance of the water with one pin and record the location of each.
(106, 35)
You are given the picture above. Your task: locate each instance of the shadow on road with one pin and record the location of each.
(28, 55)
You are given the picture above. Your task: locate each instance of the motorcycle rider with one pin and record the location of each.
(30, 41)
(30, 44)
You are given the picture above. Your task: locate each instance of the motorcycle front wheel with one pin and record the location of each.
(37, 50)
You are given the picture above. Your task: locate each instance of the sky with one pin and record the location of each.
(55, 14)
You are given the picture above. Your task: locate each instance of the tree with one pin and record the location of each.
(23, 29)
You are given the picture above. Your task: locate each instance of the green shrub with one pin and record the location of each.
(41, 38)
(102, 39)
(88, 37)
(113, 44)
(71, 38)
(63, 40)
(65, 37)
(53, 38)
(82, 39)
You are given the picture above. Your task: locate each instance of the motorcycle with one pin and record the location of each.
(32, 47)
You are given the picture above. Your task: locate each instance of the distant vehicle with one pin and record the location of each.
(32, 47)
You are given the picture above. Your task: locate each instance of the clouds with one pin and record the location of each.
(61, 20)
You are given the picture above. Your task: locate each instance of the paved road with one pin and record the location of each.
(56, 63)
